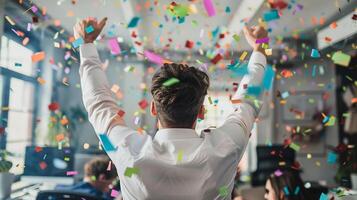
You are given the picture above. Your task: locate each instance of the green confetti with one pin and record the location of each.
(171, 82)
(236, 37)
(294, 146)
(223, 191)
(179, 156)
(129, 171)
(194, 23)
(341, 58)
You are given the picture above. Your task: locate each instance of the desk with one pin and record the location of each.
(27, 191)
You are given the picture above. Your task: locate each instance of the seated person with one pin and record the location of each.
(97, 179)
(287, 186)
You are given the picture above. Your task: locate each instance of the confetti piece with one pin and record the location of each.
(77, 42)
(25, 41)
(286, 190)
(331, 157)
(121, 113)
(179, 156)
(133, 22)
(10, 20)
(268, 78)
(114, 46)
(285, 95)
(333, 25)
(244, 54)
(278, 173)
(331, 121)
(236, 37)
(254, 90)
(294, 146)
(209, 7)
(341, 58)
(189, 44)
(71, 173)
(108, 146)
(268, 52)
(217, 58)
(143, 104)
(271, 15)
(34, 9)
(323, 196)
(89, 29)
(153, 57)
(170, 82)
(38, 56)
(41, 80)
(18, 64)
(114, 193)
(262, 40)
(315, 53)
(297, 190)
(129, 171)
(223, 191)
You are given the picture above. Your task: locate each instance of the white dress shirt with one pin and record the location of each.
(208, 163)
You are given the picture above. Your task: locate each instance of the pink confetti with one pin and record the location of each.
(262, 40)
(278, 173)
(209, 7)
(114, 46)
(114, 193)
(153, 57)
(34, 9)
(72, 173)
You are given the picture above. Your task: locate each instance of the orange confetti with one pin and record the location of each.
(25, 41)
(38, 56)
(64, 121)
(286, 73)
(41, 80)
(333, 25)
(59, 137)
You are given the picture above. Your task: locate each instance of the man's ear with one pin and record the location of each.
(153, 110)
(201, 113)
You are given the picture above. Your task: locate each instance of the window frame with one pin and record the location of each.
(8, 74)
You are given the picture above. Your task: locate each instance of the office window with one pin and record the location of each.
(16, 57)
(21, 95)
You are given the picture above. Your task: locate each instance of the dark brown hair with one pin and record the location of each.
(178, 104)
(291, 182)
(98, 166)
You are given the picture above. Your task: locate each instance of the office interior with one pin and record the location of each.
(309, 114)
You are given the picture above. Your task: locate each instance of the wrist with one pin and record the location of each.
(259, 49)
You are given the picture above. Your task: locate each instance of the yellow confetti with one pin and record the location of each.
(244, 54)
(10, 20)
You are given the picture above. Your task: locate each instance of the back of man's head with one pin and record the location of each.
(178, 105)
(99, 166)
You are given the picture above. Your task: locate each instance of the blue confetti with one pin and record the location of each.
(78, 42)
(89, 29)
(108, 146)
(133, 22)
(331, 158)
(271, 15)
(268, 78)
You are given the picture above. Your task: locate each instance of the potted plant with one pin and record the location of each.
(6, 178)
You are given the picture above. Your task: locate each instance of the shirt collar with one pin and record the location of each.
(175, 133)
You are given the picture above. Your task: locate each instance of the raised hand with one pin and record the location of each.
(252, 34)
(80, 29)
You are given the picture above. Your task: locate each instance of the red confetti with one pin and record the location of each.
(53, 106)
(216, 59)
(143, 104)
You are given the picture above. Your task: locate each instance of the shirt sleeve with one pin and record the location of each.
(242, 119)
(97, 98)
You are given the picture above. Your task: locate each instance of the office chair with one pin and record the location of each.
(64, 194)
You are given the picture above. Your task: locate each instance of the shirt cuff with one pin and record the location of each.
(88, 50)
(259, 58)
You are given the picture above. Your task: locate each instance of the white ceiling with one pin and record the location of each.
(154, 14)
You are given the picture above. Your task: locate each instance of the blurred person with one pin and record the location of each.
(287, 186)
(98, 179)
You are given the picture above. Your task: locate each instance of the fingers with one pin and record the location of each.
(102, 22)
(248, 33)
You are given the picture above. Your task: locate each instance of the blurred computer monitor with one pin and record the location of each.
(48, 164)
